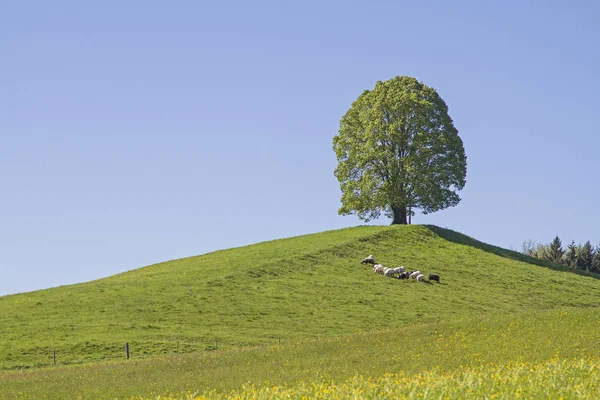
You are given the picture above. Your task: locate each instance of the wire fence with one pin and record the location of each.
(88, 352)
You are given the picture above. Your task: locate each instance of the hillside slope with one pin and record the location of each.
(302, 287)
(490, 343)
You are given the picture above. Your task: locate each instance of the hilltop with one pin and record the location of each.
(292, 289)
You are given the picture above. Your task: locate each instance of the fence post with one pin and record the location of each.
(54, 357)
(127, 350)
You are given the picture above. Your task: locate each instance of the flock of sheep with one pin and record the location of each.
(399, 272)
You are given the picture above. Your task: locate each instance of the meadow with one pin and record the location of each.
(297, 311)
(431, 353)
(554, 379)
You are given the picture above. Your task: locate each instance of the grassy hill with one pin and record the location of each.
(298, 288)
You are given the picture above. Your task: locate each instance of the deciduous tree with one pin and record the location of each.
(398, 150)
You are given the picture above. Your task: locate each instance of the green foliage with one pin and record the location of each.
(572, 255)
(578, 257)
(397, 148)
(596, 261)
(555, 251)
(585, 257)
(535, 249)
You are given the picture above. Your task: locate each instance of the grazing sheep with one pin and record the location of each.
(403, 275)
(414, 274)
(378, 268)
(389, 272)
(369, 260)
(399, 270)
(420, 278)
(434, 277)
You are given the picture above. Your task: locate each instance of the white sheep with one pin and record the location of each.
(414, 274)
(378, 268)
(399, 270)
(420, 278)
(389, 272)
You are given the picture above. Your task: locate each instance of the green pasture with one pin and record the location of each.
(307, 294)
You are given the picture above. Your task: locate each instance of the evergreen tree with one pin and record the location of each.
(596, 262)
(571, 255)
(555, 251)
(585, 257)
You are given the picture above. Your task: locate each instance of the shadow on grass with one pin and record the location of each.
(460, 238)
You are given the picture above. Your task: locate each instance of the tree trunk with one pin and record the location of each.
(399, 215)
(409, 215)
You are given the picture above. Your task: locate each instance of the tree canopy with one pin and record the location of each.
(398, 150)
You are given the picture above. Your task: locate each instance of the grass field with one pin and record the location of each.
(554, 379)
(440, 349)
(311, 292)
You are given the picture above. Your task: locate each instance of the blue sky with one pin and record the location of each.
(142, 131)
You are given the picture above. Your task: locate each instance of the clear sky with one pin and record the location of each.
(134, 132)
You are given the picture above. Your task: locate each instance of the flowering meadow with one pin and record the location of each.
(554, 379)
(547, 355)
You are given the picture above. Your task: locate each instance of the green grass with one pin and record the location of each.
(304, 287)
(554, 379)
(435, 348)
(335, 317)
